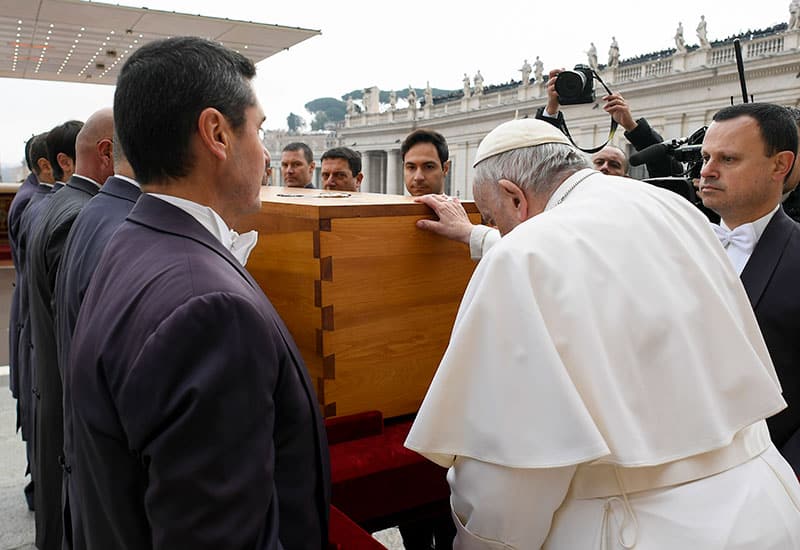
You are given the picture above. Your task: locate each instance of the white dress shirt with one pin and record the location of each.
(129, 180)
(87, 179)
(239, 245)
(740, 242)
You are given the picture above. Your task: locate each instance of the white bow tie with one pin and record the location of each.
(742, 238)
(242, 245)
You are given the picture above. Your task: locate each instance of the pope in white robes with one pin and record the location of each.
(606, 383)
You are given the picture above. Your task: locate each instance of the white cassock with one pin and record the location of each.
(605, 386)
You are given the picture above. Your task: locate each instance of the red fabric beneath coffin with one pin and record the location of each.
(376, 478)
(353, 426)
(345, 534)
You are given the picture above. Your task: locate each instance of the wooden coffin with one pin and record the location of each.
(369, 298)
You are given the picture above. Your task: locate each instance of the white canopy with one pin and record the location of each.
(79, 41)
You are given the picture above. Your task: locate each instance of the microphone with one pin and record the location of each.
(650, 153)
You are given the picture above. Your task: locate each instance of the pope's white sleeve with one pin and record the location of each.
(498, 507)
(481, 239)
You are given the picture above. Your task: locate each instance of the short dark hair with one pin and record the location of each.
(425, 135)
(795, 112)
(28, 160)
(353, 158)
(37, 149)
(161, 91)
(61, 139)
(300, 146)
(777, 125)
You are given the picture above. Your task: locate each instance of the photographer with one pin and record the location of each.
(637, 132)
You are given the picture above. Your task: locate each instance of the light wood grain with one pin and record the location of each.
(369, 298)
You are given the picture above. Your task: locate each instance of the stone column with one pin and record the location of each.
(366, 165)
(394, 184)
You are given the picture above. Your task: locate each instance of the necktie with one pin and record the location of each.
(738, 244)
(742, 238)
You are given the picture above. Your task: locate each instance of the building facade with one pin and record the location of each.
(677, 91)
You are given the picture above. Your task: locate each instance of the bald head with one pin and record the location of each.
(94, 147)
(610, 160)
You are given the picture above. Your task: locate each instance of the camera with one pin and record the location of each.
(686, 150)
(575, 87)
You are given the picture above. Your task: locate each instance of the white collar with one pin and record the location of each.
(129, 180)
(87, 179)
(759, 225)
(567, 186)
(239, 245)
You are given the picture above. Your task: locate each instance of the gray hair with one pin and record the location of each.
(534, 169)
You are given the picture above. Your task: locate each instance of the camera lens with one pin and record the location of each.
(569, 84)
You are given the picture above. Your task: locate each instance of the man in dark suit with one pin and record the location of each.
(36, 158)
(93, 164)
(59, 145)
(194, 422)
(87, 239)
(748, 152)
(297, 165)
(21, 198)
(791, 189)
(24, 192)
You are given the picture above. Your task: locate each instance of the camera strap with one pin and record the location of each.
(612, 130)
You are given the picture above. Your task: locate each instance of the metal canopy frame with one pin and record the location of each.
(82, 41)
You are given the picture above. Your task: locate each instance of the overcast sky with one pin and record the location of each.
(392, 44)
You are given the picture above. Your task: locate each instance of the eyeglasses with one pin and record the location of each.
(262, 134)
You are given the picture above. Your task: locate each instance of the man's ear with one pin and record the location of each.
(359, 177)
(65, 162)
(214, 132)
(105, 148)
(516, 196)
(446, 167)
(783, 164)
(44, 167)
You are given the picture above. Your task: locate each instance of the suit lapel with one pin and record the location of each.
(766, 256)
(83, 185)
(163, 216)
(121, 189)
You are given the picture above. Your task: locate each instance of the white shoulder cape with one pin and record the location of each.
(610, 327)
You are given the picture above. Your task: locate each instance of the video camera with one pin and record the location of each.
(576, 87)
(685, 150)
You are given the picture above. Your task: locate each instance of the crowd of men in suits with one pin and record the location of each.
(138, 339)
(132, 299)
